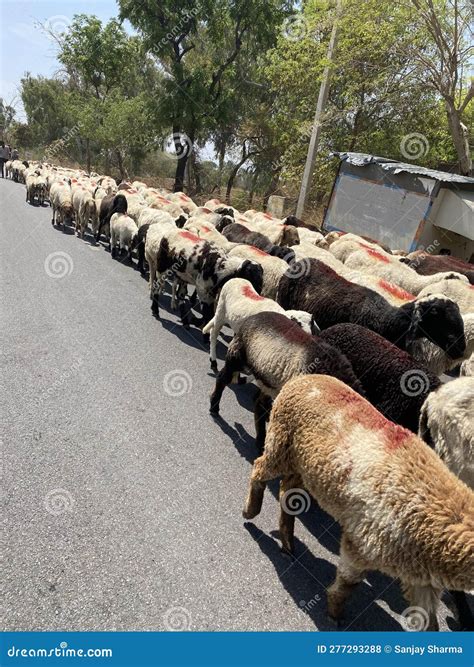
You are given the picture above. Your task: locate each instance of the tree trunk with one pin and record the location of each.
(460, 136)
(220, 170)
(88, 156)
(252, 188)
(230, 182)
(123, 171)
(183, 152)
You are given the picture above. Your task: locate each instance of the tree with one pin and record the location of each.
(442, 53)
(198, 43)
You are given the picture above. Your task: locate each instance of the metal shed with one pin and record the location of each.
(405, 206)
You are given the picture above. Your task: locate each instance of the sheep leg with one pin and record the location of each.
(426, 599)
(287, 521)
(262, 409)
(265, 468)
(234, 362)
(350, 572)
(466, 621)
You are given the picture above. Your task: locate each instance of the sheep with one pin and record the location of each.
(197, 262)
(400, 509)
(274, 349)
(35, 187)
(107, 184)
(84, 209)
(60, 198)
(124, 232)
(458, 291)
(305, 249)
(185, 202)
(237, 233)
(150, 216)
(383, 265)
(391, 292)
(110, 204)
(344, 246)
(427, 265)
(316, 288)
(436, 359)
(307, 232)
(278, 233)
(207, 231)
(238, 300)
(393, 381)
(273, 267)
(135, 202)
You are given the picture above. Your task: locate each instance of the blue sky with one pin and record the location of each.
(25, 48)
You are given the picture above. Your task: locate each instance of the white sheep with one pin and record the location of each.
(237, 301)
(447, 425)
(151, 216)
(60, 198)
(123, 231)
(273, 267)
(381, 264)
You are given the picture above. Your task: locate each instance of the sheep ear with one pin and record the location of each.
(416, 317)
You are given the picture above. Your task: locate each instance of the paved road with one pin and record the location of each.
(122, 501)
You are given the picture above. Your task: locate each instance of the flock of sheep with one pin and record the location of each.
(346, 343)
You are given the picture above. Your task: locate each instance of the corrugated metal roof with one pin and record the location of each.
(394, 167)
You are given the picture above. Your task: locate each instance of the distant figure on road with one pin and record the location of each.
(15, 155)
(4, 156)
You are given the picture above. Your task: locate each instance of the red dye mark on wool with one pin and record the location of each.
(396, 290)
(250, 293)
(377, 255)
(358, 411)
(257, 251)
(190, 236)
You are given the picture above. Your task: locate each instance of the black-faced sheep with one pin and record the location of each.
(395, 383)
(274, 349)
(316, 288)
(400, 509)
(199, 263)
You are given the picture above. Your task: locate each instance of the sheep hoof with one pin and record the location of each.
(214, 365)
(248, 515)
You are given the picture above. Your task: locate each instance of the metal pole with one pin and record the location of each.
(316, 129)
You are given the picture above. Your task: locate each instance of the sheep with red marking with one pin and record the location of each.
(401, 510)
(386, 266)
(273, 267)
(316, 288)
(393, 381)
(275, 349)
(197, 262)
(238, 233)
(237, 301)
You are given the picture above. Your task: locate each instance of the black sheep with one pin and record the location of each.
(313, 286)
(395, 383)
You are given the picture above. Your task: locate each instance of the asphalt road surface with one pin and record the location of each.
(121, 496)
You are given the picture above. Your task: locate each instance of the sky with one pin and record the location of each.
(25, 48)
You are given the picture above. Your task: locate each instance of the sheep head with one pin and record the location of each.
(439, 319)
